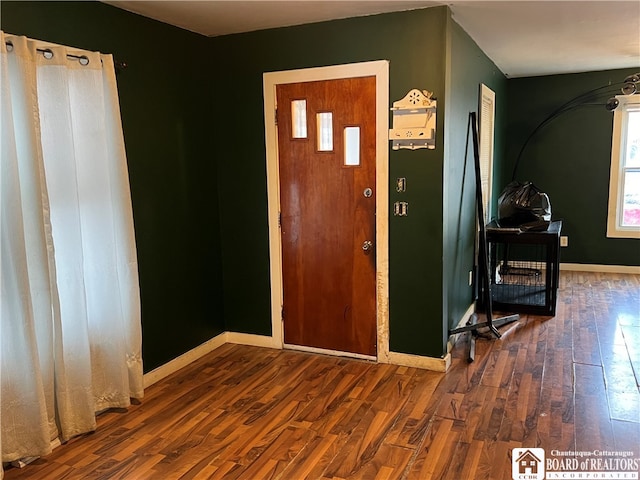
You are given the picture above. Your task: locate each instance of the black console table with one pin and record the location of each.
(524, 268)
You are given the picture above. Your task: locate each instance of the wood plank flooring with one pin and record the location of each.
(568, 383)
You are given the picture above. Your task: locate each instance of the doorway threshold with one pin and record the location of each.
(334, 353)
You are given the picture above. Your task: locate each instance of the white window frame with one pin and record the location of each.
(615, 229)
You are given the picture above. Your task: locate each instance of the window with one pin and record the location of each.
(299, 118)
(352, 146)
(624, 183)
(324, 122)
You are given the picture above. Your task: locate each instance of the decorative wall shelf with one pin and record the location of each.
(414, 121)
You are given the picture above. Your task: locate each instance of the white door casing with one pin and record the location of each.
(379, 69)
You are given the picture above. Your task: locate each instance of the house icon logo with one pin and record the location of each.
(527, 464)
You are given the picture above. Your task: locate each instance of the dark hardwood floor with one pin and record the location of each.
(567, 383)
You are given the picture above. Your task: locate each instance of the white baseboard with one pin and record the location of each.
(253, 340)
(418, 361)
(584, 267)
(394, 358)
(183, 360)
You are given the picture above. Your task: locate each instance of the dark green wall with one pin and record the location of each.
(569, 159)
(166, 104)
(194, 132)
(192, 111)
(413, 43)
(467, 68)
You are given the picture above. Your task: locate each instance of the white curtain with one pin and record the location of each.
(70, 332)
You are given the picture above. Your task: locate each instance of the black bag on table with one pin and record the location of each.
(523, 205)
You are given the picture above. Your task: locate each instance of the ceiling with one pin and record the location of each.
(523, 38)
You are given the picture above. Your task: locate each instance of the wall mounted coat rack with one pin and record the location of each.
(414, 121)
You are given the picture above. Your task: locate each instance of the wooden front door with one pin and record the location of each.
(326, 147)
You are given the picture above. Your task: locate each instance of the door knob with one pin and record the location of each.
(367, 245)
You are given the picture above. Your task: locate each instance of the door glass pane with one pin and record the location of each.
(352, 146)
(325, 131)
(631, 199)
(299, 118)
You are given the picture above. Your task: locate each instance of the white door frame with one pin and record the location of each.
(379, 69)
